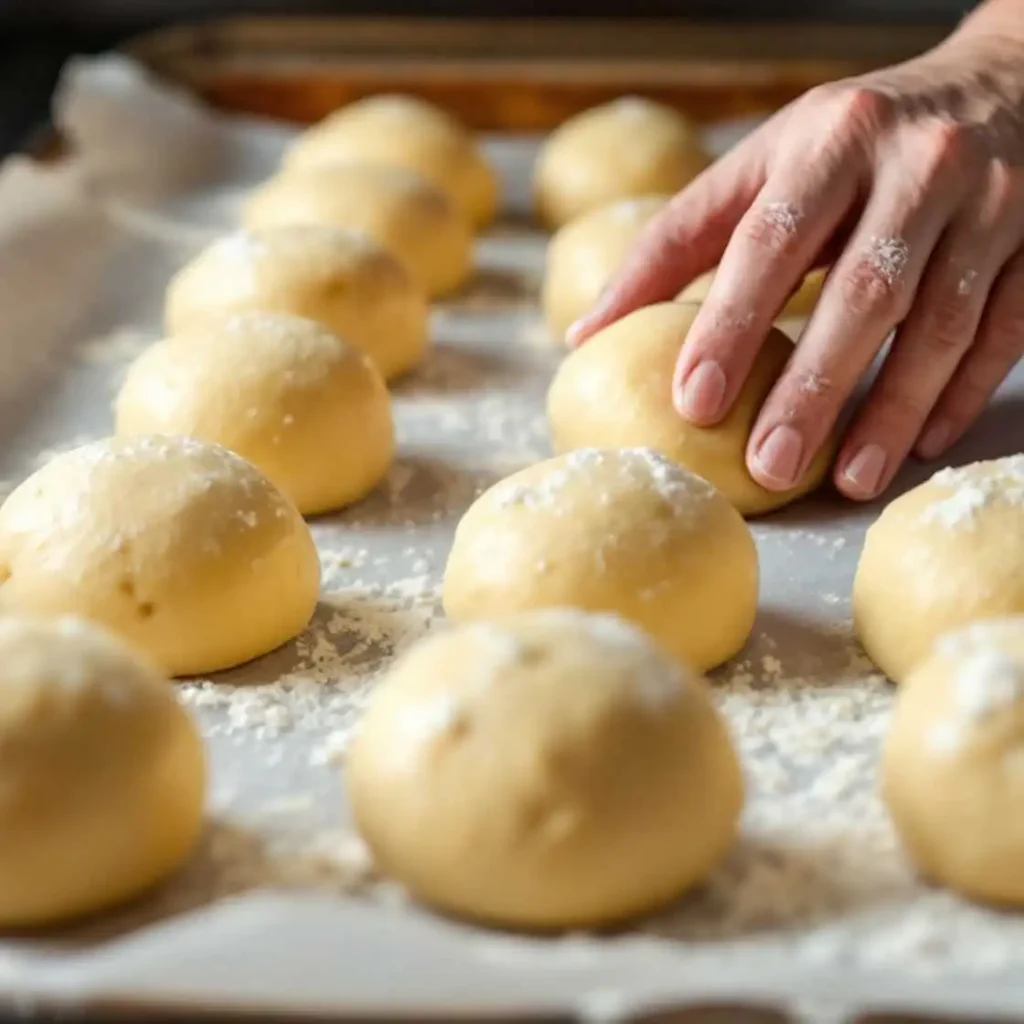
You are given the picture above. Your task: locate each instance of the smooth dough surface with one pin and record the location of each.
(584, 255)
(307, 409)
(800, 304)
(617, 390)
(396, 207)
(624, 531)
(179, 546)
(405, 131)
(342, 279)
(103, 773)
(950, 769)
(630, 147)
(941, 556)
(553, 770)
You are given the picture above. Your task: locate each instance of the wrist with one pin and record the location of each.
(999, 23)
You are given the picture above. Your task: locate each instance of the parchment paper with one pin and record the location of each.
(815, 903)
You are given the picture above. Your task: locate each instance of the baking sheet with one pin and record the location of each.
(280, 906)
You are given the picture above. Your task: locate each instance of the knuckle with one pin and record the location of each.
(860, 106)
(947, 143)
(767, 232)
(871, 293)
(896, 404)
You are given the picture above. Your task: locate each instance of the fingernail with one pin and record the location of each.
(573, 336)
(779, 456)
(700, 395)
(935, 439)
(864, 471)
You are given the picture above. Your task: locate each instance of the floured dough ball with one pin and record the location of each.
(631, 147)
(310, 411)
(341, 279)
(951, 767)
(617, 390)
(939, 557)
(622, 531)
(179, 546)
(397, 208)
(554, 770)
(103, 773)
(800, 304)
(404, 131)
(585, 254)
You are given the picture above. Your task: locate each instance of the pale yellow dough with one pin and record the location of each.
(404, 131)
(554, 770)
(310, 411)
(103, 773)
(584, 255)
(342, 279)
(800, 304)
(179, 546)
(397, 208)
(630, 147)
(623, 531)
(617, 390)
(939, 557)
(951, 767)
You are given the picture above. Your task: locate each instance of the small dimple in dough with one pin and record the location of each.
(179, 546)
(621, 530)
(953, 763)
(938, 558)
(617, 390)
(103, 773)
(548, 771)
(310, 411)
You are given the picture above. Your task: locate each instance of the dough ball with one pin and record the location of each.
(404, 131)
(308, 410)
(632, 147)
(103, 773)
(617, 390)
(585, 254)
(555, 770)
(800, 304)
(397, 208)
(939, 557)
(179, 546)
(341, 279)
(622, 531)
(951, 767)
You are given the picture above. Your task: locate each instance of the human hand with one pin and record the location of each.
(909, 182)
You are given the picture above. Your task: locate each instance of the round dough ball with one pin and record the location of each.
(554, 770)
(950, 768)
(800, 304)
(179, 546)
(631, 147)
(617, 390)
(104, 776)
(585, 254)
(622, 531)
(404, 131)
(939, 557)
(341, 279)
(397, 208)
(308, 410)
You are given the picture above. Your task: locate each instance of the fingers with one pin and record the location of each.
(684, 240)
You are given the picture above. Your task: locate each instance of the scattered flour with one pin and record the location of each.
(974, 489)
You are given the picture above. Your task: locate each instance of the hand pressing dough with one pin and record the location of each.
(179, 546)
(951, 767)
(554, 770)
(584, 255)
(308, 410)
(404, 131)
(397, 208)
(622, 531)
(342, 279)
(103, 773)
(939, 557)
(631, 147)
(617, 390)
(800, 304)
